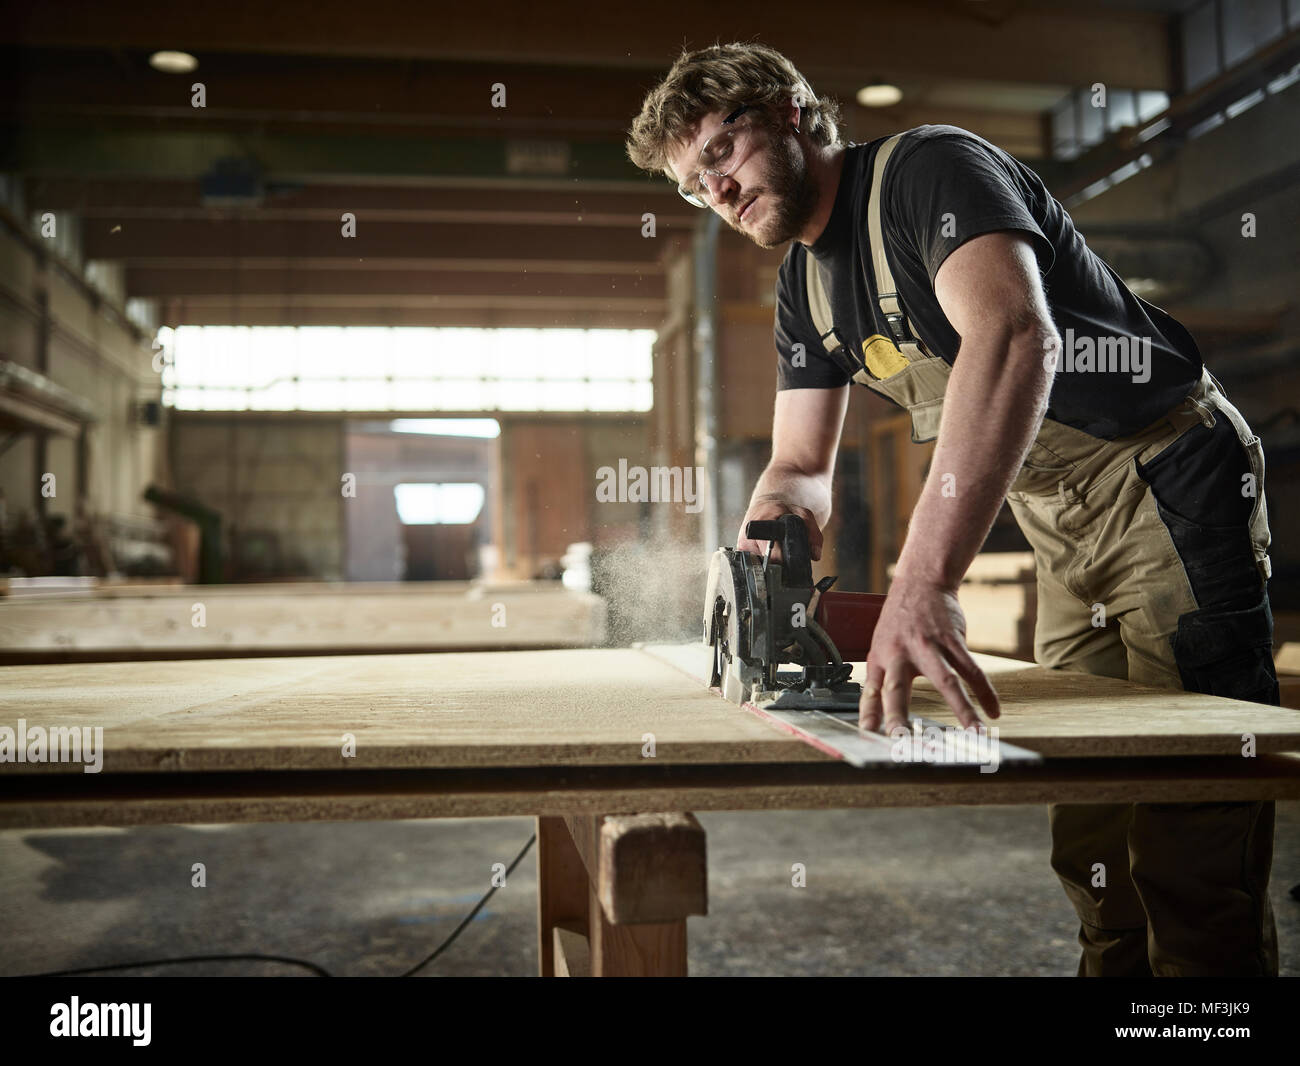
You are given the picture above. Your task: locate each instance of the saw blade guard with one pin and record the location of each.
(735, 621)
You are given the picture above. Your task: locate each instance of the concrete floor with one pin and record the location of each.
(912, 892)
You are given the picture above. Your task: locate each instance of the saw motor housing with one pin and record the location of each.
(760, 613)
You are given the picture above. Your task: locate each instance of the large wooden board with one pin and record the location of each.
(65, 588)
(532, 708)
(1071, 715)
(574, 708)
(294, 619)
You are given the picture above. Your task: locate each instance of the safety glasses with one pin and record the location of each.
(721, 155)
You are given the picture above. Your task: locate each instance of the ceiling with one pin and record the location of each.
(466, 214)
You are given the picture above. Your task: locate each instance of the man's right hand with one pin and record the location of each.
(765, 509)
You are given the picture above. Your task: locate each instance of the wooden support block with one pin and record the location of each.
(645, 868)
(572, 951)
(562, 892)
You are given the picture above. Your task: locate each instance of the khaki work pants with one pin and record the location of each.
(1144, 578)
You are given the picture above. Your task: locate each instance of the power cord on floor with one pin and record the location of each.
(470, 916)
(320, 971)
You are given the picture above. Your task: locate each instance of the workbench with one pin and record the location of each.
(609, 749)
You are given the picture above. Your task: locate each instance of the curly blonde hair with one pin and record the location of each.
(721, 77)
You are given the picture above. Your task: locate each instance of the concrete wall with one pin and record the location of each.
(274, 473)
(92, 352)
(282, 474)
(545, 499)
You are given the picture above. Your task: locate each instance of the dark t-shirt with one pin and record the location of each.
(943, 187)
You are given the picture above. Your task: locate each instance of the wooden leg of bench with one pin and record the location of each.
(562, 891)
(656, 949)
(572, 951)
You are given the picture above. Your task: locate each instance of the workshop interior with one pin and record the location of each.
(377, 445)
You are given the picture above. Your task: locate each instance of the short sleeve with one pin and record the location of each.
(802, 362)
(949, 188)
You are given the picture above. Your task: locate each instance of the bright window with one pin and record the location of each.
(450, 504)
(356, 368)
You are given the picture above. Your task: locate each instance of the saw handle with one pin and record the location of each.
(791, 535)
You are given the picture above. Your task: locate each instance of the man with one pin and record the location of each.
(939, 271)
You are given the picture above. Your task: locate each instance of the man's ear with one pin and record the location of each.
(795, 111)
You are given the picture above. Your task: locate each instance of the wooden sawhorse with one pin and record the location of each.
(614, 893)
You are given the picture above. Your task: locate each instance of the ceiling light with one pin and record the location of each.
(173, 62)
(879, 94)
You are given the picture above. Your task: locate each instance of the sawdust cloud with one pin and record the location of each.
(653, 591)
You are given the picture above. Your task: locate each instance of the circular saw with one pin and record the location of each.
(761, 614)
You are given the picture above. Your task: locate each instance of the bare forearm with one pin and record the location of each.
(993, 408)
(991, 292)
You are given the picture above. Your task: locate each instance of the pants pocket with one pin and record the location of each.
(1228, 652)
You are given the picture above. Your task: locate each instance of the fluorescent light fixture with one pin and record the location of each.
(879, 94)
(448, 427)
(173, 62)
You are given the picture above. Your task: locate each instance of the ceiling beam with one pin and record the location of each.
(288, 283)
(119, 199)
(288, 94)
(545, 306)
(851, 38)
(339, 313)
(96, 151)
(432, 98)
(138, 241)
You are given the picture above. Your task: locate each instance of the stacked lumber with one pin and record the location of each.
(1287, 662)
(203, 621)
(1000, 599)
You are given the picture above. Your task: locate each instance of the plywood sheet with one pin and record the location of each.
(288, 619)
(575, 708)
(1072, 715)
(62, 588)
(534, 708)
(47, 801)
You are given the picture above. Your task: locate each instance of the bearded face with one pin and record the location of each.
(777, 194)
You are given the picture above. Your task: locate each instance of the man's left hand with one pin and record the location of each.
(921, 633)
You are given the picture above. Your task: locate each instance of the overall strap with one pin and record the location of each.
(819, 305)
(886, 287)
